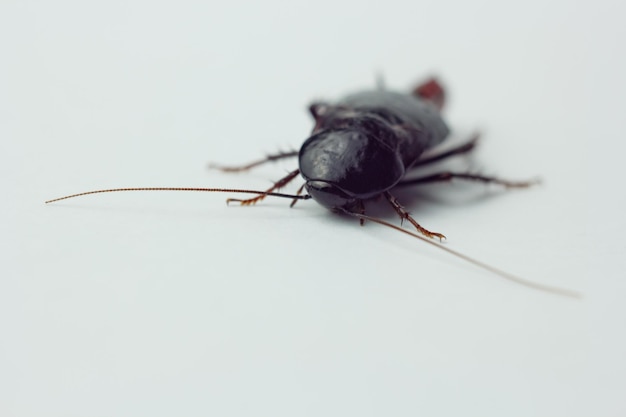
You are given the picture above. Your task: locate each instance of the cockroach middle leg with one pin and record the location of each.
(404, 215)
(278, 184)
(459, 150)
(246, 167)
(449, 176)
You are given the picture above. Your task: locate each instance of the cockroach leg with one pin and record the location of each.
(277, 185)
(404, 215)
(360, 209)
(461, 149)
(298, 193)
(246, 167)
(449, 176)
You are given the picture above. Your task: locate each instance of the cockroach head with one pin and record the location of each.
(343, 166)
(330, 196)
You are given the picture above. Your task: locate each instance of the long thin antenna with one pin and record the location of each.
(494, 270)
(218, 190)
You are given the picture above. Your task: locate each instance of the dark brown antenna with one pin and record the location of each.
(215, 190)
(494, 270)
(294, 197)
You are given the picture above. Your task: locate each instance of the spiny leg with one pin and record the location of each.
(278, 184)
(461, 149)
(448, 176)
(360, 206)
(404, 215)
(246, 167)
(295, 200)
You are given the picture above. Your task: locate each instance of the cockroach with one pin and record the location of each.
(361, 148)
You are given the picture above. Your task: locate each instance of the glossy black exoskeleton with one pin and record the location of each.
(362, 147)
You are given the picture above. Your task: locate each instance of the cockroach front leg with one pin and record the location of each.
(404, 215)
(278, 184)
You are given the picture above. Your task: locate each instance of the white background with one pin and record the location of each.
(160, 304)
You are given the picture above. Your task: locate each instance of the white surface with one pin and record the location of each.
(174, 304)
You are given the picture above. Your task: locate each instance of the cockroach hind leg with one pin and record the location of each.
(277, 185)
(449, 176)
(461, 149)
(404, 215)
